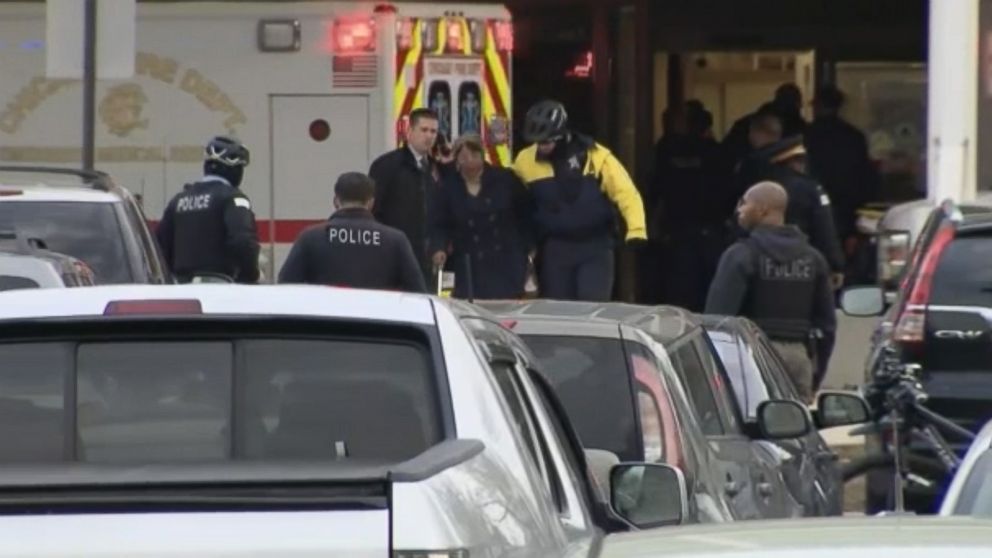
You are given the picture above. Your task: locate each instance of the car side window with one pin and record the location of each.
(503, 372)
(720, 382)
(139, 226)
(693, 375)
(778, 382)
(558, 438)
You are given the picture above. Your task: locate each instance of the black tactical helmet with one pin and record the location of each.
(545, 121)
(227, 151)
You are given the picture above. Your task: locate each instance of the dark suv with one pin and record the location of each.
(647, 383)
(941, 319)
(82, 214)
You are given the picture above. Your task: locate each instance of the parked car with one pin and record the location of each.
(26, 264)
(940, 319)
(623, 396)
(902, 225)
(970, 492)
(757, 374)
(851, 537)
(222, 408)
(591, 351)
(82, 214)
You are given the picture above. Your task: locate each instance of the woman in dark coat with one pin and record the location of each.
(481, 225)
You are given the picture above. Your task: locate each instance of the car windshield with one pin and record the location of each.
(90, 232)
(590, 376)
(201, 401)
(976, 494)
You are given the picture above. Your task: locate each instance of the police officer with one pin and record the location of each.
(809, 205)
(209, 227)
(353, 250)
(775, 278)
(574, 183)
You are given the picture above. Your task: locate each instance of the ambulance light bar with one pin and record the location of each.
(503, 33)
(354, 36)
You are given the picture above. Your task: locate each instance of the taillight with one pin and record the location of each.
(174, 307)
(11, 192)
(893, 252)
(508, 324)
(911, 324)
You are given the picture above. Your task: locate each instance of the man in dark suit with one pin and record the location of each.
(405, 179)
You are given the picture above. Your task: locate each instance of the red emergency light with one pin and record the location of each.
(352, 36)
(582, 68)
(455, 36)
(404, 34)
(503, 33)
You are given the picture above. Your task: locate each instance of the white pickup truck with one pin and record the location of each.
(223, 420)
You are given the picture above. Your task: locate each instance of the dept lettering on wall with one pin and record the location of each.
(121, 110)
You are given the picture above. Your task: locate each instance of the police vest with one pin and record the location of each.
(781, 295)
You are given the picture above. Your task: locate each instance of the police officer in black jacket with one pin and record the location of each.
(809, 204)
(209, 227)
(351, 249)
(775, 278)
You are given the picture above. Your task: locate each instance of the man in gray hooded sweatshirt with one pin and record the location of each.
(775, 278)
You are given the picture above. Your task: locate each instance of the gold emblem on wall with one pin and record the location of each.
(120, 110)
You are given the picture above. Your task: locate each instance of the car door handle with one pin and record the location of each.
(732, 488)
(765, 489)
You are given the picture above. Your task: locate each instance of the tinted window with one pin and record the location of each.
(693, 374)
(321, 399)
(88, 231)
(154, 402)
(32, 401)
(210, 400)
(11, 282)
(591, 378)
(963, 275)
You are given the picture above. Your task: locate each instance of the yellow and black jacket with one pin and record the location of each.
(582, 207)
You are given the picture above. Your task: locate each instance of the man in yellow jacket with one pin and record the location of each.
(576, 185)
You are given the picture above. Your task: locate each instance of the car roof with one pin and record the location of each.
(665, 323)
(225, 300)
(46, 193)
(57, 184)
(761, 537)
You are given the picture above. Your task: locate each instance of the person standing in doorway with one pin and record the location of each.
(405, 180)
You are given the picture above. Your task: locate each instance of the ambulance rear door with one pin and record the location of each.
(315, 138)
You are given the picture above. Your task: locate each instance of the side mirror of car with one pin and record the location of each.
(779, 419)
(648, 495)
(840, 408)
(863, 301)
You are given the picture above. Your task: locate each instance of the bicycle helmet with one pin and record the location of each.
(227, 151)
(546, 120)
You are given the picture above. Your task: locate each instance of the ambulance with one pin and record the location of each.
(313, 89)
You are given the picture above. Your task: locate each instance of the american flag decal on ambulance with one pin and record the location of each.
(359, 70)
